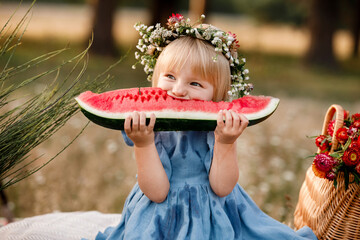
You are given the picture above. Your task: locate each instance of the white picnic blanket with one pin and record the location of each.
(59, 226)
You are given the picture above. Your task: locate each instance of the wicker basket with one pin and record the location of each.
(332, 213)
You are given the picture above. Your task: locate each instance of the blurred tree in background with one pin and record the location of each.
(273, 11)
(161, 9)
(102, 22)
(322, 24)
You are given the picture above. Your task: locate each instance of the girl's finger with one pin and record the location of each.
(236, 119)
(142, 121)
(228, 119)
(135, 121)
(220, 119)
(127, 124)
(244, 122)
(152, 122)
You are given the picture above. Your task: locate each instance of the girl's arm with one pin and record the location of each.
(224, 171)
(152, 178)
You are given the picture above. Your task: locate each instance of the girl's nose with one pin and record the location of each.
(179, 90)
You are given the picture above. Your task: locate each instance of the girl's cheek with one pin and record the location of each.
(163, 85)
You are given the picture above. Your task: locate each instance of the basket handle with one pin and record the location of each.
(339, 122)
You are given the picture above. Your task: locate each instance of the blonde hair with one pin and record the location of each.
(199, 54)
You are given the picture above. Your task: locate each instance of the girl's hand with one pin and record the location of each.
(227, 132)
(136, 129)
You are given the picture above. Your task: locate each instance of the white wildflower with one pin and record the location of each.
(230, 39)
(218, 34)
(216, 40)
(137, 55)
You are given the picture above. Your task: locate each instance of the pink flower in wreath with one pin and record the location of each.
(235, 45)
(175, 19)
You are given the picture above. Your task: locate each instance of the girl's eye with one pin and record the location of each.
(196, 84)
(170, 76)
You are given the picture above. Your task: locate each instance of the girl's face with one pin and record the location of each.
(185, 84)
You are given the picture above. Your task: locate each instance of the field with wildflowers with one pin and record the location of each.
(97, 171)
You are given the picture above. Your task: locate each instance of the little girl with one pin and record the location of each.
(187, 181)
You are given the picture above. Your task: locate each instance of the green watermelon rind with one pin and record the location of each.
(173, 121)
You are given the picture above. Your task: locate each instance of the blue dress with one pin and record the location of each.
(192, 210)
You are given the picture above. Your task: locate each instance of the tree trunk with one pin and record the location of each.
(104, 11)
(161, 10)
(196, 8)
(356, 29)
(322, 25)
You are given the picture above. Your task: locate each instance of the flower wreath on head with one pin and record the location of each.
(155, 38)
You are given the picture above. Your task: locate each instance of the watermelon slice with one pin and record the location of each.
(109, 109)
